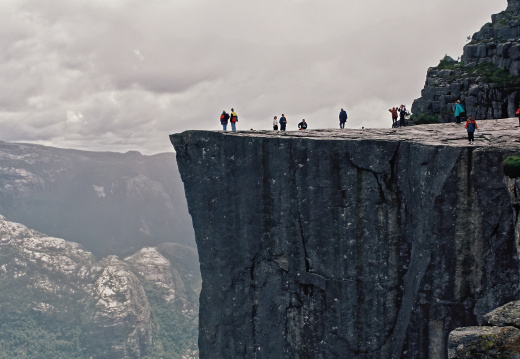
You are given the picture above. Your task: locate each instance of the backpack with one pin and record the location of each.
(518, 111)
(471, 127)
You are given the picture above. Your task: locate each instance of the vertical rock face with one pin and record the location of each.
(486, 78)
(346, 245)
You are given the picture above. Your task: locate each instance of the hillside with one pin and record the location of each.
(58, 301)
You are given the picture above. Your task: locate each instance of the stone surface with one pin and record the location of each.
(349, 244)
(506, 315)
(484, 343)
(480, 80)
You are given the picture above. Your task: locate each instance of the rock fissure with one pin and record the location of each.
(354, 275)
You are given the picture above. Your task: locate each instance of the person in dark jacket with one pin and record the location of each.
(302, 125)
(342, 118)
(283, 122)
(402, 114)
(224, 119)
(471, 126)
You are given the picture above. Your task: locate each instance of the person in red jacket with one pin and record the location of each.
(393, 110)
(471, 126)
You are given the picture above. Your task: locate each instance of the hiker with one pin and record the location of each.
(518, 114)
(402, 114)
(224, 120)
(302, 125)
(234, 120)
(393, 110)
(283, 122)
(342, 118)
(275, 123)
(459, 111)
(471, 126)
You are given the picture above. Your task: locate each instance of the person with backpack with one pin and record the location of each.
(342, 118)
(283, 122)
(302, 125)
(518, 115)
(224, 120)
(402, 114)
(393, 111)
(275, 123)
(471, 126)
(459, 111)
(234, 120)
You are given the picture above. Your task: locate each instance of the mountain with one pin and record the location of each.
(111, 203)
(486, 79)
(58, 301)
(368, 244)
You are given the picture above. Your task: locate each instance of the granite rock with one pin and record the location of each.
(349, 244)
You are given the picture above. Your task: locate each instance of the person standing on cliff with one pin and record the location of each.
(402, 114)
(275, 123)
(234, 120)
(342, 118)
(471, 126)
(224, 119)
(283, 122)
(459, 111)
(302, 125)
(393, 110)
(518, 115)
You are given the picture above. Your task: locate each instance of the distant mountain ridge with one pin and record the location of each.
(111, 203)
(58, 301)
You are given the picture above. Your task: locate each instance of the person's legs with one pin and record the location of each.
(233, 126)
(224, 126)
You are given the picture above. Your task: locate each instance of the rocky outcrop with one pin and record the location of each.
(58, 300)
(356, 244)
(486, 80)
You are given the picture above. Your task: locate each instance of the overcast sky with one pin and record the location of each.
(122, 75)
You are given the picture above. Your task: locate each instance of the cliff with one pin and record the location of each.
(486, 79)
(348, 244)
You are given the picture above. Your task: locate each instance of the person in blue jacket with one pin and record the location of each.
(342, 118)
(459, 111)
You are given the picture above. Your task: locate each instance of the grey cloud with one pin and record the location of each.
(135, 71)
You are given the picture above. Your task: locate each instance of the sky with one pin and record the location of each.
(121, 75)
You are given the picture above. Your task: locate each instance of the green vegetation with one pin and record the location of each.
(491, 73)
(424, 118)
(173, 333)
(511, 166)
(448, 63)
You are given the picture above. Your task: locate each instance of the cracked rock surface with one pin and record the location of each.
(368, 243)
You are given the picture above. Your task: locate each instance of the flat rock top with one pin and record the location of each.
(502, 133)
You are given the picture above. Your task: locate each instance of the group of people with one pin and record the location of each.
(283, 123)
(397, 112)
(471, 125)
(233, 118)
(401, 113)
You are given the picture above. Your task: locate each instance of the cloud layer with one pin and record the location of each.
(122, 74)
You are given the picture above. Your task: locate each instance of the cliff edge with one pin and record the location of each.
(349, 244)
